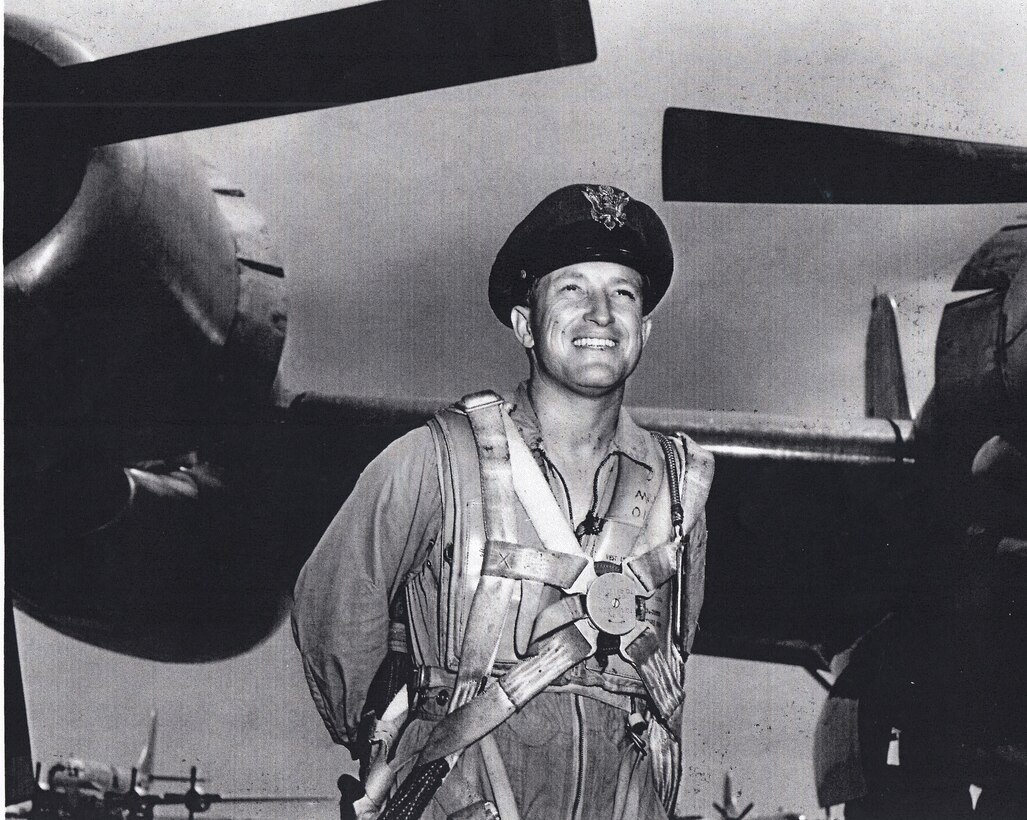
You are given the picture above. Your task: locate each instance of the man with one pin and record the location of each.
(542, 558)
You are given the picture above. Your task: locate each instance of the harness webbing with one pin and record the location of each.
(564, 633)
(492, 597)
(509, 473)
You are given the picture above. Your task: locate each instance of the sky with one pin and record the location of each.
(388, 215)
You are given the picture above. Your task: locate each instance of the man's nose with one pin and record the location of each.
(599, 309)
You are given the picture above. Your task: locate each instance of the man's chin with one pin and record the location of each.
(595, 381)
(598, 386)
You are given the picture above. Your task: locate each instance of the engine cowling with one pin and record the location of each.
(144, 322)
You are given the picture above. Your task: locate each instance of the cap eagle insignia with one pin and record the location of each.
(607, 205)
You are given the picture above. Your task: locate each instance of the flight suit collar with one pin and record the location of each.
(630, 439)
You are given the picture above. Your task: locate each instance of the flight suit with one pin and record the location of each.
(569, 752)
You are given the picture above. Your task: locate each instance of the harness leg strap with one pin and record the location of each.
(502, 697)
(663, 674)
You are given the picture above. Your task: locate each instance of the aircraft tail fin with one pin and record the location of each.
(144, 768)
(729, 809)
(886, 396)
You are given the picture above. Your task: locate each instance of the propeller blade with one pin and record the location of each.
(712, 156)
(366, 52)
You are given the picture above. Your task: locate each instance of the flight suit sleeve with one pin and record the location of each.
(379, 537)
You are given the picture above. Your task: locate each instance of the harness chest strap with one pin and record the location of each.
(652, 568)
(547, 519)
(557, 653)
(549, 524)
(508, 472)
(619, 534)
(660, 666)
(561, 562)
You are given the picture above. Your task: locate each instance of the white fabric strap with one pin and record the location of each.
(545, 514)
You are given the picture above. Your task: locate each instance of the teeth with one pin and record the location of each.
(596, 343)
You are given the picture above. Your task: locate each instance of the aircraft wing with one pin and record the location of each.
(799, 563)
(803, 515)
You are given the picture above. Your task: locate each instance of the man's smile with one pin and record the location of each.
(594, 342)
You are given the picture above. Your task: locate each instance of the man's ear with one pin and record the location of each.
(647, 326)
(520, 318)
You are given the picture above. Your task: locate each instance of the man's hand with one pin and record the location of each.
(350, 791)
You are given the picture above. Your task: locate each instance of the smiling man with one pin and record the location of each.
(505, 603)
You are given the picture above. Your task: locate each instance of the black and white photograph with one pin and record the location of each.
(515, 409)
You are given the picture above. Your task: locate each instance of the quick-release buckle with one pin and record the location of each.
(611, 603)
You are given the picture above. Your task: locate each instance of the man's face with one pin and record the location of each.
(586, 329)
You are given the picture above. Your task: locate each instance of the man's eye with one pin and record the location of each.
(569, 287)
(629, 293)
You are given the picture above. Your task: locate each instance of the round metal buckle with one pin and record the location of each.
(610, 603)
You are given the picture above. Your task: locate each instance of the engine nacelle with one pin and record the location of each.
(144, 322)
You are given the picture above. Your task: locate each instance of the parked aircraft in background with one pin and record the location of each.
(161, 493)
(87, 783)
(99, 779)
(79, 789)
(729, 810)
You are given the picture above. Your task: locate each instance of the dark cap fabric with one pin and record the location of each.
(582, 223)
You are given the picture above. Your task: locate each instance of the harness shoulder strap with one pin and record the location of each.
(688, 500)
(463, 528)
(490, 601)
(696, 476)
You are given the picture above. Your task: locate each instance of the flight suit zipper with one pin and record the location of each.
(580, 758)
(586, 534)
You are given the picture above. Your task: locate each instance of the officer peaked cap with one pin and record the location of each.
(582, 223)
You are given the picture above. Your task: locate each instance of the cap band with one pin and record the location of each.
(582, 242)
